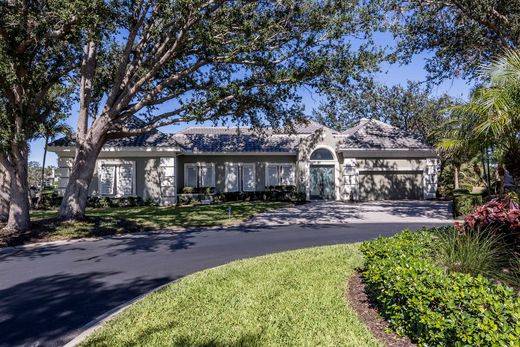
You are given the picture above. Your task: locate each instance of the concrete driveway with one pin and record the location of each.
(334, 212)
(48, 292)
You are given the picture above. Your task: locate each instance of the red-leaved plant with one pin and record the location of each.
(498, 216)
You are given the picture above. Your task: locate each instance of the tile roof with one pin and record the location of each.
(373, 134)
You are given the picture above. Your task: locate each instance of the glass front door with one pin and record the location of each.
(322, 182)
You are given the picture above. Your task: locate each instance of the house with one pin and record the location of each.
(371, 161)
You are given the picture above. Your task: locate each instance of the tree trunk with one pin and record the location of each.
(18, 220)
(512, 163)
(42, 184)
(456, 170)
(4, 192)
(76, 194)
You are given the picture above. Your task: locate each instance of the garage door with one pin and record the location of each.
(395, 185)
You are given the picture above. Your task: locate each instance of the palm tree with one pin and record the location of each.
(493, 112)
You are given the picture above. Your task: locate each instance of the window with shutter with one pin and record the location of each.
(190, 175)
(231, 181)
(286, 174)
(272, 175)
(207, 175)
(125, 180)
(248, 177)
(107, 179)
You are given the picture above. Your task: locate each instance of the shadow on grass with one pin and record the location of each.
(126, 220)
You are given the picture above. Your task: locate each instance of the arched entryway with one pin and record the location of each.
(322, 168)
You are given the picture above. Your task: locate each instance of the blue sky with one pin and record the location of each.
(391, 75)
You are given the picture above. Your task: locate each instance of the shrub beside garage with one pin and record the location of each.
(433, 306)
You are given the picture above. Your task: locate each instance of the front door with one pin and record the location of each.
(322, 182)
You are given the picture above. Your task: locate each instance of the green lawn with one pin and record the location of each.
(294, 298)
(111, 221)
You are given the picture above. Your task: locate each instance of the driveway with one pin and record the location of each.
(48, 292)
(333, 212)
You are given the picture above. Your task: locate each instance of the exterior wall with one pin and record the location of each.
(220, 166)
(149, 183)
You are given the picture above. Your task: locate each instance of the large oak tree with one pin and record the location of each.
(39, 51)
(205, 60)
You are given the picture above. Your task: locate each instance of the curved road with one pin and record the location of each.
(47, 293)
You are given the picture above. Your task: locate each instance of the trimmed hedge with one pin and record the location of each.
(465, 203)
(432, 306)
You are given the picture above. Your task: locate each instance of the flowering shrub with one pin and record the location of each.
(498, 216)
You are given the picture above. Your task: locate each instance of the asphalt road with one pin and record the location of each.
(48, 293)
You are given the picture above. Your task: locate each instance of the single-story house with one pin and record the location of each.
(370, 161)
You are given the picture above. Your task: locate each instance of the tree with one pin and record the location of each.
(49, 130)
(206, 60)
(34, 173)
(493, 112)
(39, 52)
(410, 108)
(463, 33)
(5, 183)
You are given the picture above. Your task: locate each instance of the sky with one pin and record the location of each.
(391, 75)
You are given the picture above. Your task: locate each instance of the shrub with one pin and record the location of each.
(499, 217)
(473, 253)
(433, 306)
(49, 199)
(465, 203)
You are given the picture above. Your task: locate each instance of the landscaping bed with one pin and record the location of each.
(425, 295)
(294, 298)
(122, 220)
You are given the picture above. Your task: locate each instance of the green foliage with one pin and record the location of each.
(462, 34)
(285, 193)
(411, 108)
(474, 253)
(433, 306)
(465, 203)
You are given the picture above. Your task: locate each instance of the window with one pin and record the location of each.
(199, 175)
(322, 154)
(240, 177)
(279, 174)
(116, 178)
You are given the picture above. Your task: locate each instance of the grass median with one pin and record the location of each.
(294, 298)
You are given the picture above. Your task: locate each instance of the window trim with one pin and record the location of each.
(279, 165)
(198, 166)
(240, 177)
(116, 163)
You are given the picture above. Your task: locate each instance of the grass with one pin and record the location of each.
(294, 298)
(121, 220)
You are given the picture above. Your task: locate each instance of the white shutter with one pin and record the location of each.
(286, 174)
(248, 177)
(190, 180)
(125, 180)
(106, 179)
(207, 173)
(231, 182)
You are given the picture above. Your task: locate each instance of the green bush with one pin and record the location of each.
(465, 203)
(433, 306)
(49, 199)
(474, 253)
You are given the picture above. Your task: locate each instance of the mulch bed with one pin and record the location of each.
(369, 315)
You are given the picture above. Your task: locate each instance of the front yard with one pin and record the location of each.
(295, 298)
(122, 220)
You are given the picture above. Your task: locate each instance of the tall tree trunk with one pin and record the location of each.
(5, 188)
(42, 184)
(75, 197)
(456, 171)
(17, 165)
